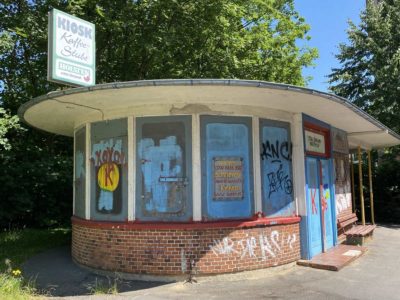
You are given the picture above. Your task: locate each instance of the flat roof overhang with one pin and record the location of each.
(59, 112)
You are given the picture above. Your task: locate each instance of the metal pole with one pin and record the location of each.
(371, 192)
(353, 192)
(361, 185)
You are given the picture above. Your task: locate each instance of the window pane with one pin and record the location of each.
(227, 167)
(163, 169)
(276, 169)
(109, 170)
(80, 172)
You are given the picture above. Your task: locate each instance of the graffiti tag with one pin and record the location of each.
(261, 246)
(279, 181)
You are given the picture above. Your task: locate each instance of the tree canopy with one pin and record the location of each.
(369, 75)
(135, 39)
(369, 72)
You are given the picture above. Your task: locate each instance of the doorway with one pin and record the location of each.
(319, 225)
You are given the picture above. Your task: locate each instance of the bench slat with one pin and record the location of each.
(355, 230)
(346, 217)
(360, 230)
(347, 222)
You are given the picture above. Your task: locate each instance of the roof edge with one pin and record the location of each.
(212, 82)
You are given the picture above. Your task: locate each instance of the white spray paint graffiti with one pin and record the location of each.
(342, 183)
(183, 261)
(270, 246)
(226, 246)
(248, 246)
(343, 202)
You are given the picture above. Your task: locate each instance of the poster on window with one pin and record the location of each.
(276, 169)
(228, 178)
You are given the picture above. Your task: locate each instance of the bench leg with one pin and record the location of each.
(355, 240)
(358, 240)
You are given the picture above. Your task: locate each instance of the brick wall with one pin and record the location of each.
(170, 251)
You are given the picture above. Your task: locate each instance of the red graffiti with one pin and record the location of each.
(109, 155)
(314, 206)
(324, 204)
(107, 174)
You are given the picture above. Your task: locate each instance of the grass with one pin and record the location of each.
(100, 287)
(12, 287)
(15, 248)
(19, 245)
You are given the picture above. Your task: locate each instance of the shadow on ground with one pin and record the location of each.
(55, 274)
(390, 225)
(373, 276)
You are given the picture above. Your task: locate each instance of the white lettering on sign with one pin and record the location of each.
(71, 49)
(315, 142)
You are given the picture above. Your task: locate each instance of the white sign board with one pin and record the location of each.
(314, 142)
(72, 48)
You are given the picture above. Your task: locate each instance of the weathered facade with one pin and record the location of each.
(211, 176)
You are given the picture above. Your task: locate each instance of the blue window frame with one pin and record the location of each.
(227, 177)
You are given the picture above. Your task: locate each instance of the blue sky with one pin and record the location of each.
(328, 21)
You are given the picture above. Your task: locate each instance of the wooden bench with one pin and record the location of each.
(353, 233)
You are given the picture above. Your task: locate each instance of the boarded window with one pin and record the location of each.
(227, 179)
(163, 169)
(109, 170)
(80, 172)
(276, 169)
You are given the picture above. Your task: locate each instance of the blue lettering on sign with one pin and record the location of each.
(276, 160)
(161, 168)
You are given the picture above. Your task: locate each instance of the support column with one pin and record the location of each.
(196, 168)
(256, 165)
(73, 175)
(371, 192)
(299, 170)
(131, 166)
(88, 171)
(361, 185)
(353, 192)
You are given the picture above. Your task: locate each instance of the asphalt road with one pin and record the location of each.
(376, 275)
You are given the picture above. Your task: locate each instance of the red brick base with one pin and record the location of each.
(132, 249)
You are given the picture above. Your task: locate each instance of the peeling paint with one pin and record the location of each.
(162, 174)
(190, 109)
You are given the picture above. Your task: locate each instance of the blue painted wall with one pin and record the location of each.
(276, 169)
(226, 139)
(310, 226)
(313, 207)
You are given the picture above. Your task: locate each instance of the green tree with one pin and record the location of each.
(135, 39)
(6, 124)
(369, 75)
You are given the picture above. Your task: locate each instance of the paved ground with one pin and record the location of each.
(376, 275)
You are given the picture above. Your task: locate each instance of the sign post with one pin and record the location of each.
(72, 48)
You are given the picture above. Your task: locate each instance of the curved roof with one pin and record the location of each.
(61, 111)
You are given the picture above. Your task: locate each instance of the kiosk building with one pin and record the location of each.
(215, 176)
